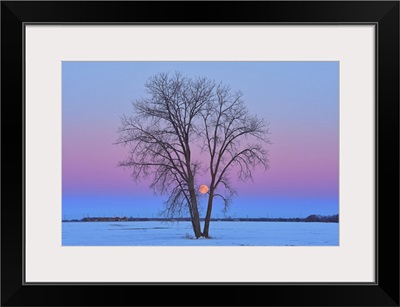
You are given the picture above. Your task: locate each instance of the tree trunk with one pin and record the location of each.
(195, 217)
(196, 220)
(208, 214)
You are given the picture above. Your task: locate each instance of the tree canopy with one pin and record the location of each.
(180, 118)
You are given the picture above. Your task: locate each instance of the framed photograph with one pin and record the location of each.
(246, 146)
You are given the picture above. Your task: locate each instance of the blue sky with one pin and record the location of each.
(300, 100)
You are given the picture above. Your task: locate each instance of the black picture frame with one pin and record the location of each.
(383, 14)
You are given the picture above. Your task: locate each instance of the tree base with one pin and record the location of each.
(204, 237)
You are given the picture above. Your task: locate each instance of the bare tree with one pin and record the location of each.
(181, 115)
(161, 134)
(234, 140)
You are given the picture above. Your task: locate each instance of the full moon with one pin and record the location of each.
(203, 189)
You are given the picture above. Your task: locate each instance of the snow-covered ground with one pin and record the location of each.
(180, 234)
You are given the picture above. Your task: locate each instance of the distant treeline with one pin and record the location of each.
(310, 218)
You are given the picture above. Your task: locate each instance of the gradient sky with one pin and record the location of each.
(300, 100)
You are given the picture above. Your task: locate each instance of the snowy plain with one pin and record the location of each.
(223, 233)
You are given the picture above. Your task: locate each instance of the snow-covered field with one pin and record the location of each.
(180, 234)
